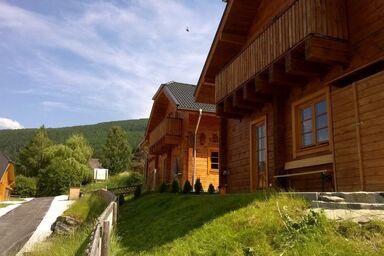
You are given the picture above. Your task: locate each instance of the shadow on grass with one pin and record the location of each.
(156, 219)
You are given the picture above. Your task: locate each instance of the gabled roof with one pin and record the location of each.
(230, 38)
(4, 162)
(182, 95)
(179, 94)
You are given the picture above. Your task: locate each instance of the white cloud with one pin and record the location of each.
(125, 51)
(6, 123)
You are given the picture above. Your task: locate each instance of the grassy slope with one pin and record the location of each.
(245, 224)
(11, 141)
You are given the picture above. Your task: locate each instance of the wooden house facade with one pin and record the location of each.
(169, 138)
(299, 89)
(7, 177)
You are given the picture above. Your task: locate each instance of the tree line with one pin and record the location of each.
(46, 168)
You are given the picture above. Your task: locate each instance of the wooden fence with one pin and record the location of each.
(100, 237)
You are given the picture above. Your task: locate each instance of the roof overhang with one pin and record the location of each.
(230, 38)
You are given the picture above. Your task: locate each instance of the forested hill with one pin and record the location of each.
(12, 141)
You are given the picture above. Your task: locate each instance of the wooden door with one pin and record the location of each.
(259, 168)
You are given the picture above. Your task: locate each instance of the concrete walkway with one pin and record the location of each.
(18, 225)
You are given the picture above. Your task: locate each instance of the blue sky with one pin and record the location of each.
(78, 62)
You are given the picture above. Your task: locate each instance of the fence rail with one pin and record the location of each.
(101, 235)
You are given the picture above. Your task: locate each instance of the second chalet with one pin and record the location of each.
(299, 87)
(176, 128)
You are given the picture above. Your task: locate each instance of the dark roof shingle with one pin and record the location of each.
(182, 94)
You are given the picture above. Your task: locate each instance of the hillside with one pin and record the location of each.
(237, 224)
(11, 141)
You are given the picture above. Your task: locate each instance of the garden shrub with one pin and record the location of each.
(175, 186)
(211, 189)
(198, 186)
(187, 187)
(122, 199)
(163, 188)
(137, 191)
(25, 186)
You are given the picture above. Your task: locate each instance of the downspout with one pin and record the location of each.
(194, 148)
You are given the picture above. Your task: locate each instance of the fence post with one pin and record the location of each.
(114, 213)
(105, 239)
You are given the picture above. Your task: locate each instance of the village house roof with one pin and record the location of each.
(94, 163)
(182, 95)
(4, 162)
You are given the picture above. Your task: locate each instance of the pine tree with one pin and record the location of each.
(31, 159)
(116, 151)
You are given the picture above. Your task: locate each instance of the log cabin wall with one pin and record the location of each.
(207, 141)
(337, 47)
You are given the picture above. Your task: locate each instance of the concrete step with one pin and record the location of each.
(347, 205)
(355, 197)
(327, 198)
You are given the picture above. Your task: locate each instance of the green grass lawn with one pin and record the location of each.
(4, 205)
(118, 180)
(86, 210)
(239, 224)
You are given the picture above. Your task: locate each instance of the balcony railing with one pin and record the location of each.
(169, 127)
(325, 18)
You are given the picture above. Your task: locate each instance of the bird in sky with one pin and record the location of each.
(187, 29)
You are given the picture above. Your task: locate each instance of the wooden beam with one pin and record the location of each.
(277, 76)
(233, 38)
(230, 108)
(240, 102)
(326, 51)
(220, 112)
(296, 65)
(262, 87)
(249, 94)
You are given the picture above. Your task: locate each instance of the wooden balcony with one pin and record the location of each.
(166, 134)
(324, 20)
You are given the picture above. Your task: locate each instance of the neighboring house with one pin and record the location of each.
(7, 177)
(299, 85)
(94, 163)
(170, 138)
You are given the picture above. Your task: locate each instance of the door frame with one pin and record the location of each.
(255, 122)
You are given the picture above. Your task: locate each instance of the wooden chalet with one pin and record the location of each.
(7, 177)
(299, 88)
(169, 138)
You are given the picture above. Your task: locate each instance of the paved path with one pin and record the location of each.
(18, 225)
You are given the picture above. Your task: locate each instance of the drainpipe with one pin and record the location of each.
(154, 179)
(194, 148)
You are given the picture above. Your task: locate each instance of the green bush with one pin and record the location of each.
(121, 199)
(187, 187)
(163, 188)
(175, 186)
(198, 186)
(137, 191)
(211, 189)
(25, 186)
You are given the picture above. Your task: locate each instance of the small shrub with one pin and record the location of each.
(198, 186)
(211, 189)
(137, 193)
(163, 188)
(175, 186)
(187, 187)
(122, 199)
(25, 186)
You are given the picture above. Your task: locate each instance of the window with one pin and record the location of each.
(314, 123)
(259, 170)
(310, 124)
(213, 160)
